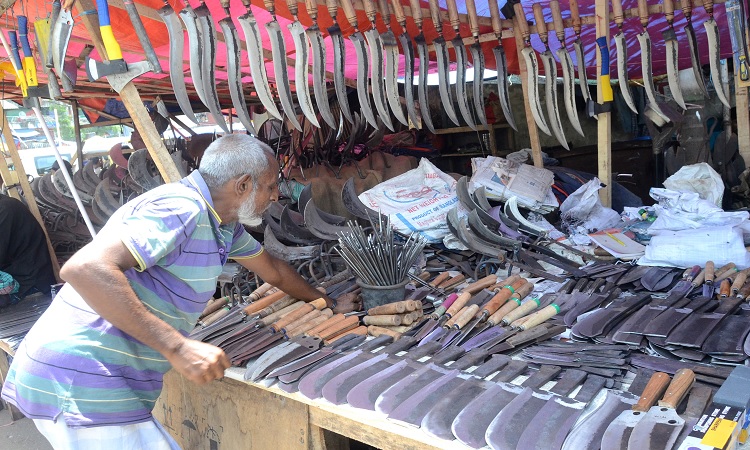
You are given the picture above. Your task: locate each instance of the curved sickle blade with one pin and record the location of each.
(339, 57)
(195, 42)
(378, 82)
(463, 99)
(208, 64)
(408, 47)
(569, 86)
(278, 52)
(234, 76)
(391, 73)
(673, 71)
(550, 93)
(279, 250)
(477, 57)
(257, 68)
(176, 46)
(582, 78)
(444, 83)
(301, 82)
(712, 32)
(319, 75)
(648, 77)
(502, 85)
(622, 71)
(362, 80)
(532, 77)
(422, 88)
(695, 59)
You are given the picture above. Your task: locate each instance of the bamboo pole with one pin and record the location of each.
(77, 132)
(604, 124)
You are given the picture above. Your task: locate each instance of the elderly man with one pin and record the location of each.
(90, 370)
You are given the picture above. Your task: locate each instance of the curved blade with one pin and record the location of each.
(550, 92)
(582, 78)
(208, 65)
(176, 46)
(391, 73)
(502, 85)
(569, 86)
(532, 76)
(463, 99)
(673, 70)
(319, 227)
(233, 73)
(378, 82)
(695, 59)
(339, 57)
(648, 77)
(195, 42)
(408, 47)
(278, 52)
(444, 83)
(301, 83)
(422, 88)
(319, 75)
(257, 68)
(362, 80)
(477, 57)
(622, 71)
(277, 249)
(712, 32)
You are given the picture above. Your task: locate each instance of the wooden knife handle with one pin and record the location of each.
(216, 315)
(727, 273)
(453, 15)
(669, 11)
(509, 306)
(449, 323)
(214, 306)
(497, 25)
(698, 280)
(557, 20)
(305, 327)
(725, 268)
(333, 9)
(291, 317)
(398, 10)
(261, 290)
(708, 276)
(508, 281)
(745, 291)
(575, 16)
(442, 276)
(339, 327)
(523, 25)
(374, 330)
(370, 10)
(643, 12)
(480, 284)
(523, 291)
(471, 10)
(350, 13)
(389, 320)
(390, 308)
(440, 310)
(466, 317)
(708, 5)
(312, 9)
(416, 14)
(318, 303)
(617, 13)
(263, 302)
(385, 12)
(271, 318)
(454, 281)
(693, 272)
(300, 321)
(436, 17)
(281, 304)
(359, 331)
(459, 303)
(501, 297)
(413, 305)
(681, 383)
(541, 25)
(655, 388)
(323, 325)
(292, 5)
(540, 316)
(687, 8)
(523, 310)
(269, 4)
(725, 288)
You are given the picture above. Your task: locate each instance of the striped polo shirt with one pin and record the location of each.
(75, 365)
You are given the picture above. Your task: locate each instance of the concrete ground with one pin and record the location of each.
(20, 435)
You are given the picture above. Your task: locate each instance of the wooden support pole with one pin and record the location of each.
(8, 179)
(742, 103)
(77, 132)
(536, 145)
(604, 124)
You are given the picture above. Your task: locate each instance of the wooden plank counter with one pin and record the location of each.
(232, 414)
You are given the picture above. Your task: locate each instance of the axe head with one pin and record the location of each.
(593, 108)
(96, 69)
(118, 80)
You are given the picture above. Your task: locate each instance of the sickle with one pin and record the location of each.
(319, 65)
(195, 43)
(458, 47)
(208, 64)
(234, 77)
(388, 39)
(301, 60)
(176, 45)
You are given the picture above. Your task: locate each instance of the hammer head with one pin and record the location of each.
(96, 69)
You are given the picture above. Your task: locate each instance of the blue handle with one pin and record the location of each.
(604, 52)
(13, 38)
(23, 33)
(102, 7)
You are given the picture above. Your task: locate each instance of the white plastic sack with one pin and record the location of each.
(700, 178)
(686, 248)
(583, 208)
(418, 200)
(680, 211)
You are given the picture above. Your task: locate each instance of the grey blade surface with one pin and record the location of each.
(339, 58)
(471, 423)
(502, 85)
(408, 47)
(569, 86)
(176, 74)
(648, 77)
(278, 51)
(673, 69)
(365, 394)
(392, 397)
(506, 428)
(412, 410)
(477, 57)
(61, 31)
(582, 78)
(437, 422)
(422, 88)
(532, 78)
(587, 435)
(234, 77)
(257, 68)
(195, 43)
(441, 51)
(695, 59)
(208, 65)
(362, 79)
(461, 97)
(337, 388)
(550, 93)
(712, 32)
(658, 430)
(319, 75)
(311, 384)
(376, 77)
(301, 83)
(391, 73)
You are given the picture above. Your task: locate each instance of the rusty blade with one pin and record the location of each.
(673, 69)
(257, 68)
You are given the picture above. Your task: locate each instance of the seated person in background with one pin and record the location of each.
(25, 264)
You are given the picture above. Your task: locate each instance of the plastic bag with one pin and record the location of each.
(699, 178)
(687, 248)
(584, 209)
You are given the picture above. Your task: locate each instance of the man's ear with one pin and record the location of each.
(244, 184)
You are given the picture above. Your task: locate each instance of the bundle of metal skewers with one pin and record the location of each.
(376, 257)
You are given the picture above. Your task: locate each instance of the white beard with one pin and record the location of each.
(247, 215)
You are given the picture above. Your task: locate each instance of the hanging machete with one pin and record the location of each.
(408, 46)
(339, 58)
(319, 65)
(301, 47)
(583, 81)
(424, 104)
(458, 46)
(195, 44)
(712, 32)
(208, 64)
(672, 49)
(532, 69)
(501, 66)
(391, 59)
(622, 57)
(687, 9)
(550, 73)
(566, 62)
(176, 46)
(441, 51)
(644, 39)
(363, 89)
(376, 65)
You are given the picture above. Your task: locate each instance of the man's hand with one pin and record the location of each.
(347, 303)
(198, 362)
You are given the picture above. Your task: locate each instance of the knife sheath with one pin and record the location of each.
(694, 330)
(729, 337)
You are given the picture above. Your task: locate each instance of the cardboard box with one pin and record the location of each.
(718, 429)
